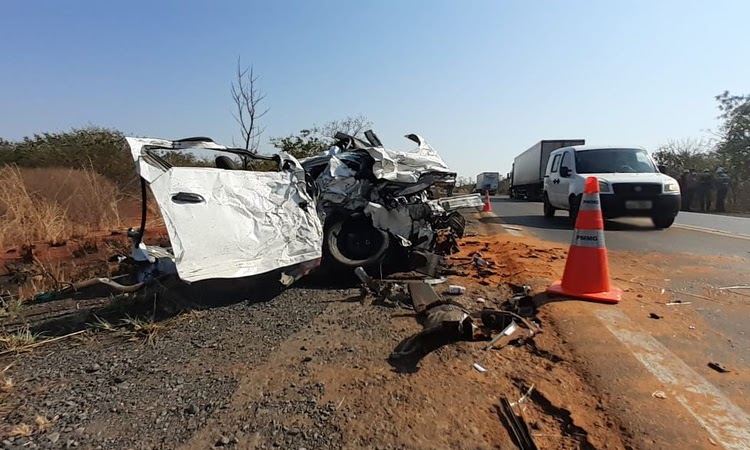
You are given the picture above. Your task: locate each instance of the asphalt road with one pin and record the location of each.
(702, 234)
(695, 240)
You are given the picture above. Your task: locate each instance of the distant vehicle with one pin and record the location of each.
(527, 174)
(630, 183)
(487, 181)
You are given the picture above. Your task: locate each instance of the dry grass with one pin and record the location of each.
(24, 341)
(148, 329)
(42, 423)
(18, 341)
(11, 305)
(51, 276)
(6, 385)
(102, 324)
(53, 204)
(20, 430)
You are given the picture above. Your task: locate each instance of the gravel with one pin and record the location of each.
(115, 391)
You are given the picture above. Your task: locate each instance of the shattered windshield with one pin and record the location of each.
(614, 160)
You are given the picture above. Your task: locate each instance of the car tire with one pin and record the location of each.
(662, 222)
(549, 210)
(574, 204)
(352, 241)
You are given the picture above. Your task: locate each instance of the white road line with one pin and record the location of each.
(725, 422)
(513, 231)
(712, 231)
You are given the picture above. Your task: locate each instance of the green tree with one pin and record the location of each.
(7, 152)
(302, 145)
(317, 139)
(683, 154)
(733, 149)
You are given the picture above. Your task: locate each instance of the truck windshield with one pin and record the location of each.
(611, 160)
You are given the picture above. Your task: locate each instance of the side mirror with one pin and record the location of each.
(662, 168)
(564, 172)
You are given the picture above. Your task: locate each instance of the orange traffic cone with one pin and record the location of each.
(586, 273)
(487, 206)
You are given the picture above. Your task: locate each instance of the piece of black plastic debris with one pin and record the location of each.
(654, 316)
(497, 320)
(422, 296)
(521, 304)
(518, 429)
(718, 367)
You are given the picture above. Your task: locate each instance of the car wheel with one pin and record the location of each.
(549, 210)
(662, 222)
(354, 242)
(574, 203)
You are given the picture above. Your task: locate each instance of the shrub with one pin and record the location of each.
(102, 149)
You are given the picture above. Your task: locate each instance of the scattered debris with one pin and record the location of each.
(385, 291)
(481, 300)
(677, 302)
(734, 287)
(521, 303)
(422, 296)
(718, 367)
(655, 316)
(443, 323)
(517, 427)
(659, 394)
(456, 290)
(524, 396)
(479, 368)
(692, 327)
(508, 331)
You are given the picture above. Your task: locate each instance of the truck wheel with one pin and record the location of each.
(661, 222)
(574, 203)
(549, 210)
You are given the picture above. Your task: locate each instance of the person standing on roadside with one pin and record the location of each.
(687, 187)
(705, 184)
(722, 187)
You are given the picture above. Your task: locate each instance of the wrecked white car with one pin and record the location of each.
(225, 223)
(376, 205)
(357, 205)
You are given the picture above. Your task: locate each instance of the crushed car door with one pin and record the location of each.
(233, 223)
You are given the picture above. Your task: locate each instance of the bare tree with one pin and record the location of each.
(247, 100)
(351, 125)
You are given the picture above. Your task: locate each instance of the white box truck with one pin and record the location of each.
(527, 174)
(487, 181)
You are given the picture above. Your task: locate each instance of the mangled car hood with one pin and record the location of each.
(406, 167)
(230, 223)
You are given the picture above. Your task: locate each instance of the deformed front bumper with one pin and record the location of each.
(663, 205)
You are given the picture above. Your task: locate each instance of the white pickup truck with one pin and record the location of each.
(630, 183)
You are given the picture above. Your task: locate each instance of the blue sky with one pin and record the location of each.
(480, 80)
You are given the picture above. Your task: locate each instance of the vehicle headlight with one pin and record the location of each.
(603, 186)
(671, 187)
